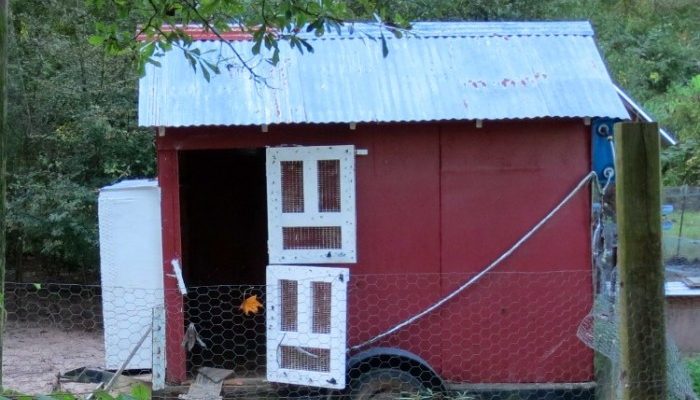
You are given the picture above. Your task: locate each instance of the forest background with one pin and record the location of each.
(72, 107)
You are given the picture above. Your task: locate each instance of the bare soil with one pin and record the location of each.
(33, 357)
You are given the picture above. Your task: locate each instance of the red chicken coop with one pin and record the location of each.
(422, 215)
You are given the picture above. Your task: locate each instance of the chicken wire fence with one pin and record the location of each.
(515, 334)
(681, 226)
(600, 330)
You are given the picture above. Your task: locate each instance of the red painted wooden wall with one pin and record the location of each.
(437, 202)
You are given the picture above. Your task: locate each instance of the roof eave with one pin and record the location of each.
(668, 138)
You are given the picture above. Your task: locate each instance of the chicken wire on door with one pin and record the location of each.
(311, 204)
(306, 325)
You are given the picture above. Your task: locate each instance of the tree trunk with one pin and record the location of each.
(3, 131)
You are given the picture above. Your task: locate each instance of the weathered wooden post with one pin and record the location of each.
(642, 322)
(4, 9)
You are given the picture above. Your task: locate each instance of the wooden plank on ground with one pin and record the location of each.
(207, 385)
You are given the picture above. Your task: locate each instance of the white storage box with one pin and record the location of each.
(131, 266)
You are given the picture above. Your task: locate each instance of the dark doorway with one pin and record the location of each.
(224, 244)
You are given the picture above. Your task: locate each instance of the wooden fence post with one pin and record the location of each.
(642, 319)
(4, 10)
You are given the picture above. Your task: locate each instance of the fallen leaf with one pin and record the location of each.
(251, 305)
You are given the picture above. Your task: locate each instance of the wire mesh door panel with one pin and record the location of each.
(311, 204)
(306, 325)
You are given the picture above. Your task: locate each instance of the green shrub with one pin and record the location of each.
(694, 370)
(138, 392)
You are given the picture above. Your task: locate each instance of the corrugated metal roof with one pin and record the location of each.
(439, 71)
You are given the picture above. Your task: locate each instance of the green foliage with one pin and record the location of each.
(161, 22)
(651, 48)
(138, 392)
(691, 224)
(54, 214)
(680, 163)
(403, 11)
(680, 108)
(75, 65)
(72, 117)
(694, 370)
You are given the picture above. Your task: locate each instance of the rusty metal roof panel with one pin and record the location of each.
(439, 71)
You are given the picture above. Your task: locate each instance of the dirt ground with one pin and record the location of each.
(678, 271)
(34, 356)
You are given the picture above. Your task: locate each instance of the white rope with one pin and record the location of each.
(528, 235)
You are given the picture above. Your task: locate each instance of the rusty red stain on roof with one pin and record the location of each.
(477, 84)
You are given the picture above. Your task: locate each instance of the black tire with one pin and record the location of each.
(387, 384)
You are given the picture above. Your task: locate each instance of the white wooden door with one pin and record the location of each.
(306, 325)
(311, 204)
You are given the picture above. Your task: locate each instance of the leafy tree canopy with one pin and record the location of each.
(72, 124)
(161, 25)
(74, 67)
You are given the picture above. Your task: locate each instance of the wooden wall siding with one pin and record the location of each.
(436, 202)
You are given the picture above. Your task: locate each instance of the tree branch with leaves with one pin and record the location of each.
(166, 24)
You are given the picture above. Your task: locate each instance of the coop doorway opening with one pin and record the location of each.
(223, 202)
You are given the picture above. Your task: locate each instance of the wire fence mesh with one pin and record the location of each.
(681, 224)
(515, 335)
(551, 332)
